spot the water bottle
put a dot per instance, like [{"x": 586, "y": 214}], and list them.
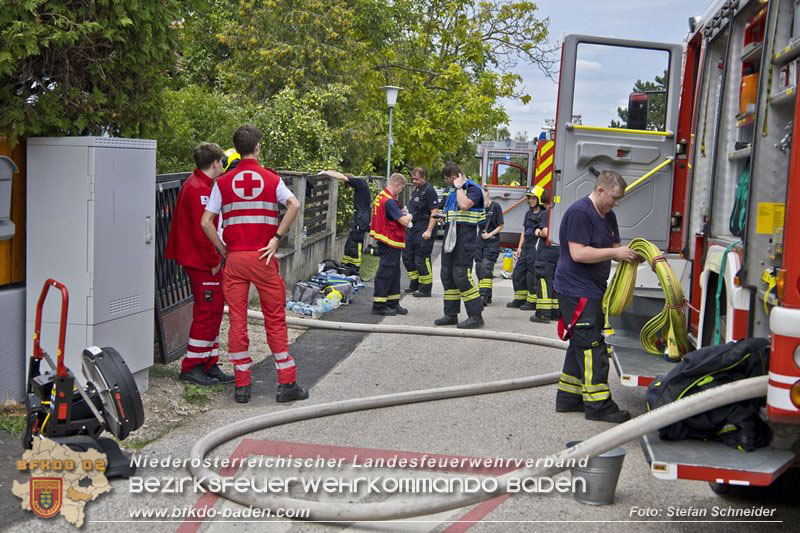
[{"x": 508, "y": 260}]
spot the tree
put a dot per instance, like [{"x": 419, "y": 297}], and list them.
[
  {"x": 656, "y": 104},
  {"x": 77, "y": 67}
]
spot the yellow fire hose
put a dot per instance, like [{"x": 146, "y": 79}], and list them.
[{"x": 670, "y": 323}]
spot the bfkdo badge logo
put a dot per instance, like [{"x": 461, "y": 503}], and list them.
[{"x": 46, "y": 495}]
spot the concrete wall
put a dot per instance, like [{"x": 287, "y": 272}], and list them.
[{"x": 12, "y": 344}]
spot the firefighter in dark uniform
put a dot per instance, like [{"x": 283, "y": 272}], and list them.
[
  {"x": 522, "y": 277},
  {"x": 388, "y": 228},
  {"x": 424, "y": 203},
  {"x": 359, "y": 225},
  {"x": 463, "y": 211},
  {"x": 590, "y": 239},
  {"x": 487, "y": 249},
  {"x": 545, "y": 269}
]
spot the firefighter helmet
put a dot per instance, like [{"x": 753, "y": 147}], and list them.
[
  {"x": 231, "y": 159},
  {"x": 535, "y": 192}
]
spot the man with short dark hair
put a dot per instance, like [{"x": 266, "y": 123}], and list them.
[
  {"x": 359, "y": 225},
  {"x": 388, "y": 228},
  {"x": 247, "y": 199},
  {"x": 590, "y": 239},
  {"x": 463, "y": 212},
  {"x": 422, "y": 206},
  {"x": 203, "y": 265}
]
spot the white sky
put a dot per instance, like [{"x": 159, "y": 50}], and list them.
[{"x": 649, "y": 20}]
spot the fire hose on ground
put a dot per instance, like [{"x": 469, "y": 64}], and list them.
[{"x": 398, "y": 508}]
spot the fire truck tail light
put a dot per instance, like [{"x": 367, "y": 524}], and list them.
[
  {"x": 780, "y": 287},
  {"x": 794, "y": 394}
]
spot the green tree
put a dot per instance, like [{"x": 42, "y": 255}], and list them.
[
  {"x": 76, "y": 67},
  {"x": 656, "y": 104}
]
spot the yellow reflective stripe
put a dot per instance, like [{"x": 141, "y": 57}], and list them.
[
  {"x": 386, "y": 240},
  {"x": 359, "y": 252},
  {"x": 450, "y": 297},
  {"x": 570, "y": 379},
  {"x": 393, "y": 297},
  {"x": 587, "y": 367},
  {"x": 569, "y": 388},
  {"x": 530, "y": 297},
  {"x": 485, "y": 283},
  {"x": 412, "y": 274},
  {"x": 596, "y": 388},
  {"x": 596, "y": 397},
  {"x": 544, "y": 289},
  {"x": 379, "y": 299}
]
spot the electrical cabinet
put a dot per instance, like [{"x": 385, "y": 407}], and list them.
[{"x": 90, "y": 214}]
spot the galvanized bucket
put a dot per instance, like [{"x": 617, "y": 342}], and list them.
[{"x": 601, "y": 474}]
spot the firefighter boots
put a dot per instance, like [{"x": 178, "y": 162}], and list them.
[
  {"x": 471, "y": 322},
  {"x": 446, "y": 320}
]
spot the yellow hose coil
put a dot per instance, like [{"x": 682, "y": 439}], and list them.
[{"x": 670, "y": 323}]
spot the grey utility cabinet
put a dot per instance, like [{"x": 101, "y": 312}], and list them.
[{"x": 90, "y": 225}]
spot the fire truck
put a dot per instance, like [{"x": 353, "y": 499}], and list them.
[
  {"x": 709, "y": 143},
  {"x": 508, "y": 168}
]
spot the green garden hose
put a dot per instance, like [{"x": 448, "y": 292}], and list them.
[{"x": 670, "y": 324}]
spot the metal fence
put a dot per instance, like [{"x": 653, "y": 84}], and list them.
[{"x": 312, "y": 236}]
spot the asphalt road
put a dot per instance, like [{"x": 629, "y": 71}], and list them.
[{"x": 520, "y": 424}]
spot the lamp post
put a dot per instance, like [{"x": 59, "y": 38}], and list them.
[{"x": 391, "y": 100}]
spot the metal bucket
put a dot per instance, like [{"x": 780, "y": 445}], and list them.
[{"x": 601, "y": 474}]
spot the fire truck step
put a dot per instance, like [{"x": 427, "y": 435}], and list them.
[
  {"x": 635, "y": 367},
  {"x": 713, "y": 461}
]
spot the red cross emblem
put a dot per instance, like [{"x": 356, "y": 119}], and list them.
[{"x": 248, "y": 184}]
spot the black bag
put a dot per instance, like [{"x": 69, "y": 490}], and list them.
[{"x": 737, "y": 425}]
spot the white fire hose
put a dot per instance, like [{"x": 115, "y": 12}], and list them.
[{"x": 398, "y": 508}]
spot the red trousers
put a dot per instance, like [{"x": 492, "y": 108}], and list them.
[
  {"x": 242, "y": 269},
  {"x": 209, "y": 302}
]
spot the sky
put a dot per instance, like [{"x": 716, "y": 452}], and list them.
[{"x": 604, "y": 78}]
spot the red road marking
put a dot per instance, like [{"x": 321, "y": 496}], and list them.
[{"x": 250, "y": 447}]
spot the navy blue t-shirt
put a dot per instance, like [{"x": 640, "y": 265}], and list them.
[
  {"x": 393, "y": 211},
  {"x": 584, "y": 225}
]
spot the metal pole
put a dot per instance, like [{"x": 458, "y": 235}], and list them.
[{"x": 389, "y": 157}]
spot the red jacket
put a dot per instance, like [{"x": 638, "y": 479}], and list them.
[
  {"x": 387, "y": 231},
  {"x": 249, "y": 206},
  {"x": 187, "y": 243}
]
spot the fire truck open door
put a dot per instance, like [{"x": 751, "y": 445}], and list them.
[{"x": 618, "y": 110}]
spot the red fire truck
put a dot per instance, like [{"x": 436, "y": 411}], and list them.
[{"x": 712, "y": 126}]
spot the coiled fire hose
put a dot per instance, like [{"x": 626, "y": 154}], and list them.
[
  {"x": 669, "y": 326},
  {"x": 404, "y": 507}
]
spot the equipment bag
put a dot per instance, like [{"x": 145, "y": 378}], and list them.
[
  {"x": 737, "y": 425},
  {"x": 305, "y": 292}
]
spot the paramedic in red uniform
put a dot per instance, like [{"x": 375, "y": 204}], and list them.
[
  {"x": 203, "y": 265},
  {"x": 247, "y": 198}
]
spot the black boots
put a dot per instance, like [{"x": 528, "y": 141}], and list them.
[
  {"x": 289, "y": 392},
  {"x": 614, "y": 417},
  {"x": 386, "y": 311},
  {"x": 216, "y": 372},
  {"x": 527, "y": 306},
  {"x": 515, "y": 304},
  {"x": 198, "y": 377},
  {"x": 399, "y": 310},
  {"x": 472, "y": 322},
  {"x": 446, "y": 320},
  {"x": 242, "y": 394}
]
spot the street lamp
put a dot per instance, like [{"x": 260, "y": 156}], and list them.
[{"x": 391, "y": 100}]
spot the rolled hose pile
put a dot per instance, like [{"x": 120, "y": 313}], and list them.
[{"x": 670, "y": 324}]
